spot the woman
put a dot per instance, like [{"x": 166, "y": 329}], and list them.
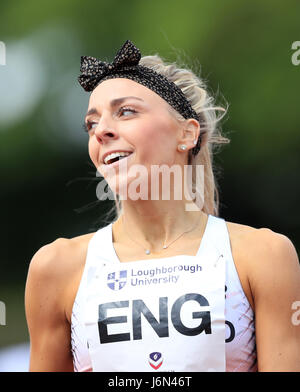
[{"x": 168, "y": 285}]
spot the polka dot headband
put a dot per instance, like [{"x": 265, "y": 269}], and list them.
[{"x": 126, "y": 65}]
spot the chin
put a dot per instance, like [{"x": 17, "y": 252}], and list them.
[{"x": 129, "y": 188}]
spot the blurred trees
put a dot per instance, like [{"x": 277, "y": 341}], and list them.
[{"x": 243, "y": 50}]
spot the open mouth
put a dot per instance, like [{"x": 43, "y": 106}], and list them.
[{"x": 115, "y": 157}]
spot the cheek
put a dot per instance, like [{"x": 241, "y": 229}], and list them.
[
  {"x": 160, "y": 143},
  {"x": 93, "y": 147}
]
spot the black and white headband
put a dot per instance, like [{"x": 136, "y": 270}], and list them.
[{"x": 126, "y": 65}]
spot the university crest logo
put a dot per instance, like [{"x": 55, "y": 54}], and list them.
[{"x": 116, "y": 280}]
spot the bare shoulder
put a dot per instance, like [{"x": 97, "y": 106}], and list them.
[
  {"x": 60, "y": 256},
  {"x": 263, "y": 245},
  {"x": 57, "y": 267},
  {"x": 262, "y": 255}
]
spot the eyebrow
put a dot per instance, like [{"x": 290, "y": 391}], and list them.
[{"x": 113, "y": 103}]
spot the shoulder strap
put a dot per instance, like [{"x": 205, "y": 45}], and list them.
[
  {"x": 214, "y": 244},
  {"x": 101, "y": 245}
]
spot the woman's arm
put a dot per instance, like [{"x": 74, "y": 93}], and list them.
[
  {"x": 45, "y": 297},
  {"x": 274, "y": 276}
]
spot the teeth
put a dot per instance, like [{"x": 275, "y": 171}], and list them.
[{"x": 115, "y": 155}]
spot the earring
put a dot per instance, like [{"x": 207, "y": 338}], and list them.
[
  {"x": 195, "y": 142},
  {"x": 182, "y": 147}
]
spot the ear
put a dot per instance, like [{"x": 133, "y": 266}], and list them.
[{"x": 189, "y": 133}]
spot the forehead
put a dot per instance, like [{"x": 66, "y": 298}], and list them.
[{"x": 121, "y": 87}]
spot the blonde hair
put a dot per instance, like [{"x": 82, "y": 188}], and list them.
[{"x": 196, "y": 92}]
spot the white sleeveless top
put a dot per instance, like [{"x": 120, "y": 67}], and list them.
[{"x": 105, "y": 280}]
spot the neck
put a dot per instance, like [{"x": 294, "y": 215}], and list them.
[{"x": 155, "y": 223}]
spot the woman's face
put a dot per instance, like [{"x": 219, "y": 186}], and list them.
[{"x": 125, "y": 116}]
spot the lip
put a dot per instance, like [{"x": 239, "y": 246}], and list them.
[
  {"x": 110, "y": 152},
  {"x": 117, "y": 163}
]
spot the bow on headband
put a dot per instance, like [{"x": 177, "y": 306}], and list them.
[{"x": 93, "y": 70}]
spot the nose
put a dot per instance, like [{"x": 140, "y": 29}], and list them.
[{"x": 105, "y": 133}]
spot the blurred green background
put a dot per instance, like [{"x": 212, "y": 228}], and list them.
[{"x": 48, "y": 184}]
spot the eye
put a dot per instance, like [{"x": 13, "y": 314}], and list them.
[
  {"x": 123, "y": 111},
  {"x": 89, "y": 125}
]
